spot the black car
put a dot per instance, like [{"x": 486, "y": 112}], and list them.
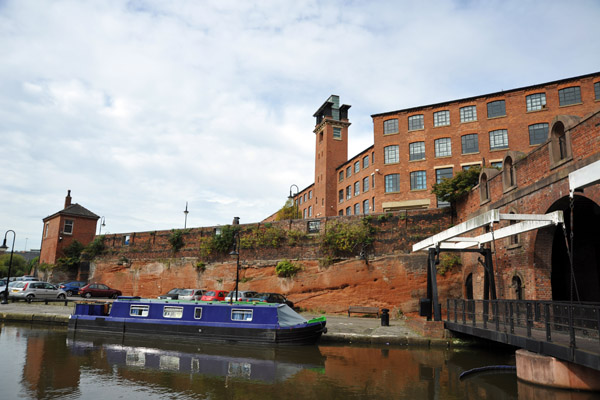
[
  {"x": 274, "y": 298},
  {"x": 172, "y": 294}
]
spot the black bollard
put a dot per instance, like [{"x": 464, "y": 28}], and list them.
[{"x": 385, "y": 317}]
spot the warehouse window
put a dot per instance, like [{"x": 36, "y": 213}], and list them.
[
  {"x": 468, "y": 114},
  {"x": 496, "y": 109},
  {"x": 418, "y": 180},
  {"x": 470, "y": 144},
  {"x": 415, "y": 122},
  {"x": 443, "y": 147},
  {"x": 441, "y": 118},
  {"x": 536, "y": 101},
  {"x": 538, "y": 133},
  {"x": 390, "y": 126},
  {"x": 391, "y": 154},
  {"x": 499, "y": 139},
  {"x": 416, "y": 151},
  {"x": 570, "y": 95},
  {"x": 392, "y": 183}
]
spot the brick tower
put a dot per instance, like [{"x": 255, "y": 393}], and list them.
[{"x": 331, "y": 145}]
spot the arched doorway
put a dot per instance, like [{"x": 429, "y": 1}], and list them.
[
  {"x": 517, "y": 287},
  {"x": 469, "y": 287},
  {"x": 584, "y": 283}
]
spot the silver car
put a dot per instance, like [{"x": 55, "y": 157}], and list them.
[
  {"x": 191, "y": 294},
  {"x": 242, "y": 295},
  {"x": 29, "y": 290}
]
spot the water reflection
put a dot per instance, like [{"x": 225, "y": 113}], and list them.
[
  {"x": 265, "y": 364},
  {"x": 43, "y": 363}
]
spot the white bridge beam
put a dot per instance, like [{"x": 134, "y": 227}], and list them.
[
  {"x": 584, "y": 177},
  {"x": 450, "y": 239}
]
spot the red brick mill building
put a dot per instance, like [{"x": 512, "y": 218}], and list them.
[
  {"x": 537, "y": 135},
  {"x": 417, "y": 147}
]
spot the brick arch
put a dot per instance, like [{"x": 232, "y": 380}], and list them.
[
  {"x": 550, "y": 257},
  {"x": 560, "y": 138}
]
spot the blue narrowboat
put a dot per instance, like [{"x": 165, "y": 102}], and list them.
[{"x": 246, "y": 322}]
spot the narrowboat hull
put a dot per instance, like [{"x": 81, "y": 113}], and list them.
[{"x": 220, "y": 330}]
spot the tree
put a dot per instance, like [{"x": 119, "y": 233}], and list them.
[
  {"x": 288, "y": 211},
  {"x": 18, "y": 268},
  {"x": 458, "y": 186}
]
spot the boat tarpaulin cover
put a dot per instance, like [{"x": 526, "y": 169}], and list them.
[{"x": 289, "y": 317}]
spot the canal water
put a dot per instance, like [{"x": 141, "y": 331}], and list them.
[{"x": 40, "y": 362}]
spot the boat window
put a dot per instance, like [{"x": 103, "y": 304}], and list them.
[
  {"x": 241, "y": 315},
  {"x": 172, "y": 312},
  {"x": 138, "y": 311},
  {"x": 198, "y": 312}
]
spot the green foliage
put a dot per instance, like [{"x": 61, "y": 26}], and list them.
[
  {"x": 219, "y": 244},
  {"x": 45, "y": 267},
  {"x": 286, "y": 269},
  {"x": 288, "y": 211},
  {"x": 347, "y": 238},
  {"x": 294, "y": 237},
  {"x": 223, "y": 242},
  {"x": 448, "y": 261},
  {"x": 200, "y": 266},
  {"x": 265, "y": 236},
  {"x": 71, "y": 255},
  {"x": 176, "y": 239},
  {"x": 18, "y": 267},
  {"x": 94, "y": 248},
  {"x": 454, "y": 188}
]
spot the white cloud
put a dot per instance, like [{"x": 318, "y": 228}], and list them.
[{"x": 140, "y": 106}]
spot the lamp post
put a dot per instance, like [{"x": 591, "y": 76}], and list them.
[
  {"x": 4, "y": 248},
  {"x": 186, "y": 212},
  {"x": 236, "y": 252},
  {"x": 291, "y": 197},
  {"x": 102, "y": 223}
]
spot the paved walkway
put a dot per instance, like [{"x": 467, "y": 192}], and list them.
[{"x": 340, "y": 329}]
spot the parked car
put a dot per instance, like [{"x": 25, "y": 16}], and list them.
[
  {"x": 191, "y": 294},
  {"x": 242, "y": 295},
  {"x": 72, "y": 288},
  {"x": 26, "y": 278},
  {"x": 10, "y": 285},
  {"x": 172, "y": 294},
  {"x": 214, "y": 295},
  {"x": 28, "y": 290},
  {"x": 98, "y": 290},
  {"x": 274, "y": 298}
]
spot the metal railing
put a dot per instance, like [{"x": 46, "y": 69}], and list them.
[{"x": 546, "y": 320}]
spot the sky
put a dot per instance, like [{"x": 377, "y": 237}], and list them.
[{"x": 140, "y": 106}]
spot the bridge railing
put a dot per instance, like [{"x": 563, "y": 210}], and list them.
[{"x": 577, "y": 320}]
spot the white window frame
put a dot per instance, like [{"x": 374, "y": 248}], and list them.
[
  {"x": 175, "y": 312},
  {"x": 245, "y": 314},
  {"x": 143, "y": 310}
]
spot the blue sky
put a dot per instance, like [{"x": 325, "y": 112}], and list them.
[{"x": 140, "y": 106}]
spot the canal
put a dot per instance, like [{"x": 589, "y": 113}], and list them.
[{"x": 41, "y": 362}]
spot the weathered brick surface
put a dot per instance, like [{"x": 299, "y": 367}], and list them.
[
  {"x": 392, "y": 278},
  {"x": 541, "y": 184}
]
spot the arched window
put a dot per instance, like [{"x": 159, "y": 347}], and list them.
[
  {"x": 560, "y": 139},
  {"x": 484, "y": 193},
  {"x": 509, "y": 180}
]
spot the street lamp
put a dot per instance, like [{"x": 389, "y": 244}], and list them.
[
  {"x": 4, "y": 248},
  {"x": 236, "y": 252},
  {"x": 102, "y": 223},
  {"x": 291, "y": 197},
  {"x": 186, "y": 212}
]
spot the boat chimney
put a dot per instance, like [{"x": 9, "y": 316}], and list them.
[{"x": 236, "y": 221}]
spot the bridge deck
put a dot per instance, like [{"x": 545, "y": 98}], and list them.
[{"x": 540, "y": 327}]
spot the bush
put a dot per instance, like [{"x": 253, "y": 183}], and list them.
[
  {"x": 176, "y": 240},
  {"x": 286, "y": 269},
  {"x": 448, "y": 261},
  {"x": 265, "y": 236},
  {"x": 347, "y": 238}
]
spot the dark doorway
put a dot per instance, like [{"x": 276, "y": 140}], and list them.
[
  {"x": 517, "y": 288},
  {"x": 469, "y": 287},
  {"x": 584, "y": 283}
]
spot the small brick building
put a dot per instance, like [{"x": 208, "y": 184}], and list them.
[{"x": 74, "y": 222}]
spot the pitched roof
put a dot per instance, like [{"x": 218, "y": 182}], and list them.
[{"x": 74, "y": 210}]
